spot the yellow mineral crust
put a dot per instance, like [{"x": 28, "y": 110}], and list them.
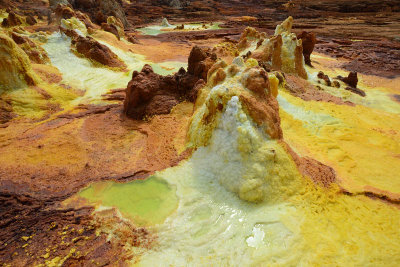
[
  {"x": 15, "y": 67},
  {"x": 360, "y": 143},
  {"x": 242, "y": 199},
  {"x": 74, "y": 24}
]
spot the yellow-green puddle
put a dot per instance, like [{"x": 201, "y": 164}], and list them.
[{"x": 145, "y": 202}]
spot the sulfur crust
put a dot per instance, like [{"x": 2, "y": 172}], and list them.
[{"x": 347, "y": 143}]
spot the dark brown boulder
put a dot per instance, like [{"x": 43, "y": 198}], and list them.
[
  {"x": 95, "y": 51},
  {"x": 324, "y": 77},
  {"x": 12, "y": 20},
  {"x": 351, "y": 79},
  {"x": 70, "y": 33},
  {"x": 150, "y": 94},
  {"x": 110, "y": 28},
  {"x": 200, "y": 61},
  {"x": 64, "y": 12},
  {"x": 308, "y": 40},
  {"x": 31, "y": 20}
]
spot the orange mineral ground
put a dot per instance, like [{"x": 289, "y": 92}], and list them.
[{"x": 199, "y": 133}]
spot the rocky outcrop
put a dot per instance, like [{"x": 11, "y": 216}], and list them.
[
  {"x": 175, "y": 4},
  {"x": 351, "y": 79},
  {"x": 30, "y": 20},
  {"x": 12, "y": 20},
  {"x": 35, "y": 53},
  {"x": 93, "y": 50},
  {"x": 150, "y": 94},
  {"x": 308, "y": 41},
  {"x": 115, "y": 26},
  {"x": 15, "y": 67},
  {"x": 282, "y": 51},
  {"x": 5, "y": 112},
  {"x": 99, "y": 10},
  {"x": 325, "y": 78},
  {"x": 200, "y": 61},
  {"x": 64, "y": 12}
]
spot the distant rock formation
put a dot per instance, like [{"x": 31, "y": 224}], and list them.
[
  {"x": 66, "y": 12},
  {"x": 100, "y": 10},
  {"x": 165, "y": 23},
  {"x": 175, "y": 4},
  {"x": 282, "y": 51},
  {"x": 54, "y": 3},
  {"x": 149, "y": 93}
]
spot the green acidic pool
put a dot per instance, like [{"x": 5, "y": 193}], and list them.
[{"x": 145, "y": 202}]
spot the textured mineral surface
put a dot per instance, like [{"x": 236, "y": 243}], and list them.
[{"x": 199, "y": 133}]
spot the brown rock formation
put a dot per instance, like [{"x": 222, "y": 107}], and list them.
[
  {"x": 15, "y": 67},
  {"x": 35, "y": 53},
  {"x": 70, "y": 33},
  {"x": 5, "y": 112},
  {"x": 149, "y": 94},
  {"x": 308, "y": 41},
  {"x": 97, "y": 52},
  {"x": 66, "y": 12},
  {"x": 12, "y": 20},
  {"x": 99, "y": 10},
  {"x": 115, "y": 26},
  {"x": 324, "y": 77},
  {"x": 303, "y": 89},
  {"x": 31, "y": 20},
  {"x": 110, "y": 28},
  {"x": 200, "y": 61},
  {"x": 351, "y": 79},
  {"x": 63, "y": 12}
]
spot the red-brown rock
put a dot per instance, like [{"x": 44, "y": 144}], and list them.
[
  {"x": 200, "y": 61},
  {"x": 12, "y": 20},
  {"x": 110, "y": 28},
  {"x": 99, "y": 10},
  {"x": 93, "y": 50},
  {"x": 351, "y": 79},
  {"x": 31, "y": 20},
  {"x": 309, "y": 40},
  {"x": 64, "y": 12},
  {"x": 149, "y": 93}
]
